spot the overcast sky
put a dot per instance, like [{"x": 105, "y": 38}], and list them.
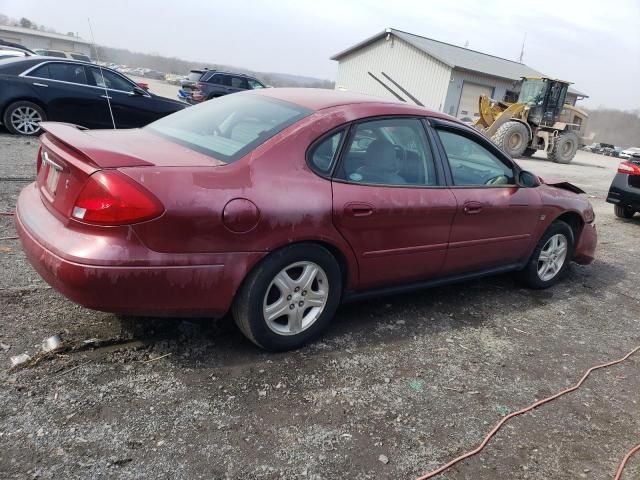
[{"x": 593, "y": 43}]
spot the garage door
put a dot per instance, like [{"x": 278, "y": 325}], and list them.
[{"x": 471, "y": 92}]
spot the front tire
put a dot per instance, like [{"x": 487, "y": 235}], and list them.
[
  {"x": 23, "y": 118},
  {"x": 289, "y": 298},
  {"x": 512, "y": 137},
  {"x": 622, "y": 211},
  {"x": 564, "y": 148},
  {"x": 550, "y": 258}
]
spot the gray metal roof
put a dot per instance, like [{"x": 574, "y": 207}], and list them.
[
  {"x": 458, "y": 57},
  {"x": 40, "y": 33}
]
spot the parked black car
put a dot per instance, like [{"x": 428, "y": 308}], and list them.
[
  {"x": 214, "y": 83},
  {"x": 624, "y": 192},
  {"x": 35, "y": 89},
  {"x": 154, "y": 74}
]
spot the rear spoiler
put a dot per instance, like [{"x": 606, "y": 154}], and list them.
[{"x": 95, "y": 151}]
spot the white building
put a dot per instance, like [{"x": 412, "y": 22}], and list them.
[
  {"x": 423, "y": 71},
  {"x": 49, "y": 41}
]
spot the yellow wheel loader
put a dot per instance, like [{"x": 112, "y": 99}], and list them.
[{"x": 539, "y": 120}]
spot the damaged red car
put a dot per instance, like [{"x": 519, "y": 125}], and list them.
[{"x": 277, "y": 205}]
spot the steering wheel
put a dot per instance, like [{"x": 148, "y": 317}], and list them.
[{"x": 497, "y": 180}]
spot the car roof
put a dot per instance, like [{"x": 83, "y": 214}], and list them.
[
  {"x": 321, "y": 98},
  {"x": 227, "y": 73}
]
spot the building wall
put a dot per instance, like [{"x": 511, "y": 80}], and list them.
[
  {"x": 37, "y": 41},
  {"x": 423, "y": 76},
  {"x": 458, "y": 77}
]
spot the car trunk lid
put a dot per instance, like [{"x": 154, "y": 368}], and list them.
[{"x": 70, "y": 154}]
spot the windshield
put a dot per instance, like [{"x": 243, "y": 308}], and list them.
[
  {"x": 532, "y": 92},
  {"x": 79, "y": 56},
  {"x": 194, "y": 76},
  {"x": 229, "y": 127}
]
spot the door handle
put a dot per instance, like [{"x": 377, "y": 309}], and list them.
[
  {"x": 472, "y": 208},
  {"x": 106, "y": 96},
  {"x": 36, "y": 84},
  {"x": 359, "y": 209}
]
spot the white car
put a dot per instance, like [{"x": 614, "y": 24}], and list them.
[
  {"x": 11, "y": 52},
  {"x": 629, "y": 152}
]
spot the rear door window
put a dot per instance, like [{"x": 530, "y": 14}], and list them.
[
  {"x": 64, "y": 72},
  {"x": 392, "y": 151},
  {"x": 194, "y": 76}
]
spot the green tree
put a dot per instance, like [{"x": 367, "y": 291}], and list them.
[{"x": 26, "y": 23}]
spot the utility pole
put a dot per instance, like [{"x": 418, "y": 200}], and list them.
[{"x": 522, "y": 51}]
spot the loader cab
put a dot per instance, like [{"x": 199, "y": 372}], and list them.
[{"x": 545, "y": 99}]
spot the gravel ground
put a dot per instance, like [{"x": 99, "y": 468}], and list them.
[{"x": 398, "y": 385}]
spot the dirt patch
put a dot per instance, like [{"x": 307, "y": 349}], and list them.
[{"x": 412, "y": 379}]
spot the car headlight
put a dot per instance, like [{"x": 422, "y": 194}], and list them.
[{"x": 589, "y": 215}]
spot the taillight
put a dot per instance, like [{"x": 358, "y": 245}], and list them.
[
  {"x": 629, "y": 168},
  {"x": 111, "y": 198},
  {"x": 39, "y": 160}
]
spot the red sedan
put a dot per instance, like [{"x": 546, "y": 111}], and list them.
[{"x": 279, "y": 204}]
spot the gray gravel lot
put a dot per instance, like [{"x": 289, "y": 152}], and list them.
[{"x": 418, "y": 378}]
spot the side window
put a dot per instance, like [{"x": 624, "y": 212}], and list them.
[
  {"x": 254, "y": 84},
  {"x": 65, "y": 72},
  {"x": 472, "y": 164},
  {"x": 223, "y": 80},
  {"x": 389, "y": 152},
  {"x": 239, "y": 82},
  {"x": 111, "y": 80},
  {"x": 324, "y": 153}
]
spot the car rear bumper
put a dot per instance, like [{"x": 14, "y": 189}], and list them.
[
  {"x": 586, "y": 246},
  {"x": 621, "y": 193},
  {"x": 111, "y": 270}
]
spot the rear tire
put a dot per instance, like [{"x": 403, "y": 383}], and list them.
[
  {"x": 623, "y": 211},
  {"x": 277, "y": 310},
  {"x": 549, "y": 253},
  {"x": 23, "y": 118},
  {"x": 564, "y": 148},
  {"x": 512, "y": 137}
]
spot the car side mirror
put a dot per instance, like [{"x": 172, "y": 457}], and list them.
[
  {"x": 528, "y": 179},
  {"x": 139, "y": 91}
]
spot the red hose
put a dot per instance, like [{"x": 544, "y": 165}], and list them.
[
  {"x": 624, "y": 461},
  {"x": 473, "y": 452}
]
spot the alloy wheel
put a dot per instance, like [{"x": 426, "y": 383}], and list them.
[
  {"x": 26, "y": 120},
  {"x": 295, "y": 298},
  {"x": 552, "y": 257}
]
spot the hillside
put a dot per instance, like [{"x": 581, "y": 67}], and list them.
[
  {"x": 621, "y": 128},
  {"x": 182, "y": 67}
]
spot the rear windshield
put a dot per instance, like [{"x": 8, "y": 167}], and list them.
[
  {"x": 194, "y": 76},
  {"x": 79, "y": 56},
  {"x": 229, "y": 127},
  {"x": 53, "y": 53}
]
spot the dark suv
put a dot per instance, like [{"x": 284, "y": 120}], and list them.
[
  {"x": 624, "y": 192},
  {"x": 214, "y": 83}
]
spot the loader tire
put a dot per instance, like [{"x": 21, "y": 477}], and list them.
[
  {"x": 512, "y": 137},
  {"x": 564, "y": 148}
]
